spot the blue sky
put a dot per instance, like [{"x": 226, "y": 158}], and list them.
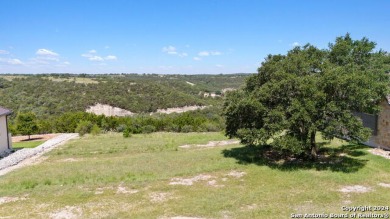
[{"x": 174, "y": 36}]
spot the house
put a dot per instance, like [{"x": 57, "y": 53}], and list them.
[
  {"x": 5, "y": 137},
  {"x": 380, "y": 126}
]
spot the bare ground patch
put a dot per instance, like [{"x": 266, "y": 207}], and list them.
[
  {"x": 211, "y": 144},
  {"x": 236, "y": 174},
  {"x": 124, "y": 190},
  {"x": 355, "y": 189},
  {"x": 380, "y": 152},
  {"x": 69, "y": 212},
  {"x": 158, "y": 197},
  {"x": 386, "y": 185},
  {"x": 43, "y": 137},
  {"x": 7, "y": 199},
  {"x": 210, "y": 180},
  {"x": 249, "y": 207},
  {"x": 71, "y": 159},
  {"x": 190, "y": 181}
]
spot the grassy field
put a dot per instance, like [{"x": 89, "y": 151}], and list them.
[
  {"x": 26, "y": 144},
  {"x": 75, "y": 79},
  {"x": 150, "y": 176}
]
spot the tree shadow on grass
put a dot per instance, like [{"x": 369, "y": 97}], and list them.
[
  {"x": 31, "y": 139},
  {"x": 342, "y": 159}
]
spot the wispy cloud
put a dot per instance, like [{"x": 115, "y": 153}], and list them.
[
  {"x": 110, "y": 57},
  {"x": 96, "y": 58},
  {"x": 209, "y": 53},
  {"x": 197, "y": 58},
  {"x": 44, "y": 57},
  {"x": 171, "y": 50},
  {"x": 11, "y": 61},
  {"x": 4, "y": 52},
  {"x": 294, "y": 44},
  {"x": 45, "y": 52},
  {"x": 91, "y": 55}
]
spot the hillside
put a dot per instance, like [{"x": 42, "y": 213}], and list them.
[{"x": 54, "y": 94}]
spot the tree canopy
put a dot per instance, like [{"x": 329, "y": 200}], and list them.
[
  {"x": 26, "y": 124},
  {"x": 309, "y": 90}
]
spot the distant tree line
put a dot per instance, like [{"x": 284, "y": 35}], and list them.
[{"x": 205, "y": 120}]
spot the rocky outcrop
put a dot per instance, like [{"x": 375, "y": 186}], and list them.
[{"x": 107, "y": 110}]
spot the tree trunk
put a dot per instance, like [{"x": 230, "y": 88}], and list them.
[{"x": 313, "y": 145}]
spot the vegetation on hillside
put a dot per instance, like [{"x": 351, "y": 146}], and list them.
[
  {"x": 59, "y": 101},
  {"x": 47, "y": 95}
]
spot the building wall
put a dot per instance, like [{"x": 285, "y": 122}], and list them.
[
  {"x": 382, "y": 139},
  {"x": 3, "y": 134}
]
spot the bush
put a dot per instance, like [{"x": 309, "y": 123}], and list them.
[
  {"x": 121, "y": 128},
  {"x": 84, "y": 127},
  {"x": 95, "y": 130},
  {"x": 148, "y": 129},
  {"x": 208, "y": 127},
  {"x": 126, "y": 133},
  {"x": 187, "y": 128},
  {"x": 172, "y": 128}
]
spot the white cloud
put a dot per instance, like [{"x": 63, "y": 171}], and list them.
[
  {"x": 197, "y": 58},
  {"x": 11, "y": 61},
  {"x": 46, "y": 52},
  {"x": 91, "y": 55},
  {"x": 170, "y": 50},
  {"x": 96, "y": 58},
  {"x": 110, "y": 57},
  {"x": 209, "y": 53},
  {"x": 204, "y": 53},
  {"x": 4, "y": 52},
  {"x": 219, "y": 66},
  {"x": 164, "y": 67},
  {"x": 294, "y": 44},
  {"x": 66, "y": 63}
]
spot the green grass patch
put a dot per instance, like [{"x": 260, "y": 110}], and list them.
[
  {"x": 26, "y": 144},
  {"x": 108, "y": 176}
]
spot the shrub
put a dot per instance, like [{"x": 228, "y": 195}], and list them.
[
  {"x": 121, "y": 128},
  {"x": 209, "y": 127},
  {"x": 95, "y": 130},
  {"x": 126, "y": 133},
  {"x": 148, "y": 129},
  {"x": 187, "y": 128},
  {"x": 84, "y": 127}
]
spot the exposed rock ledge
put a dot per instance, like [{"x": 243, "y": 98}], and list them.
[
  {"x": 180, "y": 109},
  {"x": 107, "y": 110}
]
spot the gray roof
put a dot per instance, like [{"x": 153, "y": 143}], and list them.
[{"x": 4, "y": 111}]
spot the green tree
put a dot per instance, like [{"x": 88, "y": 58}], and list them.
[
  {"x": 295, "y": 96},
  {"x": 26, "y": 124}
]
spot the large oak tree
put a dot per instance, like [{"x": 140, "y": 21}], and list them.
[{"x": 308, "y": 91}]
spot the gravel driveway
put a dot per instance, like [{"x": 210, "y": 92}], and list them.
[{"x": 21, "y": 155}]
